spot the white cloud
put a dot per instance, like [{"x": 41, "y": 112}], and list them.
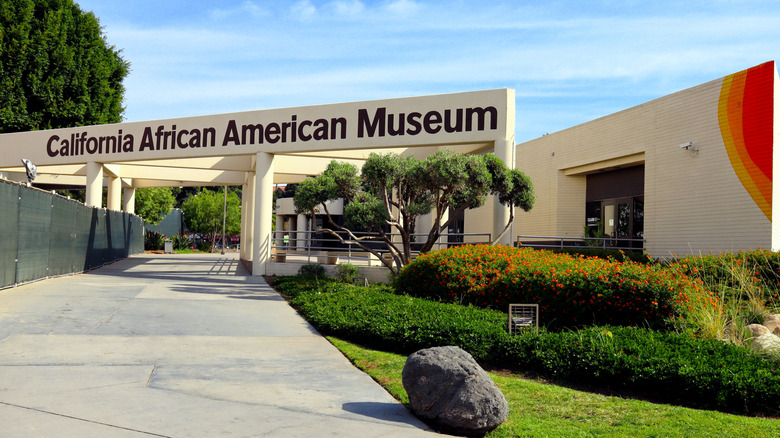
[
  {"x": 303, "y": 10},
  {"x": 247, "y": 7},
  {"x": 567, "y": 62},
  {"x": 347, "y": 8},
  {"x": 403, "y": 7}
]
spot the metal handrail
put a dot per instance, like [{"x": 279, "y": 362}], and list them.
[
  {"x": 312, "y": 246},
  {"x": 585, "y": 242}
]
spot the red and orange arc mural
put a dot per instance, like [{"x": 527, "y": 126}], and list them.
[{"x": 745, "y": 115}]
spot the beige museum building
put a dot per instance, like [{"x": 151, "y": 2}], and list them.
[{"x": 690, "y": 172}]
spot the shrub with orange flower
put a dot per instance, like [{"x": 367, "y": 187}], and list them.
[{"x": 572, "y": 291}]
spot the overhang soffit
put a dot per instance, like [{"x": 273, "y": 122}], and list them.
[
  {"x": 178, "y": 173},
  {"x": 362, "y": 154},
  {"x": 235, "y": 162},
  {"x": 143, "y": 183},
  {"x": 606, "y": 164},
  {"x": 61, "y": 169}
]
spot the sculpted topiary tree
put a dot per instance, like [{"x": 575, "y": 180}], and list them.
[{"x": 391, "y": 192}]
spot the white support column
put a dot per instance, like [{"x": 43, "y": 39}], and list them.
[
  {"x": 264, "y": 205},
  {"x": 94, "y": 185},
  {"x": 128, "y": 204},
  {"x": 504, "y": 149},
  {"x": 248, "y": 218},
  {"x": 423, "y": 226},
  {"x": 301, "y": 237},
  {"x": 424, "y": 222},
  {"x": 444, "y": 236},
  {"x": 114, "y": 193},
  {"x": 242, "y": 247}
]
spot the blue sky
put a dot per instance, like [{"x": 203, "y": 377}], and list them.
[{"x": 568, "y": 61}]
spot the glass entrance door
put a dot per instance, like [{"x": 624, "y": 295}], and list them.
[
  {"x": 618, "y": 219},
  {"x": 608, "y": 207}
]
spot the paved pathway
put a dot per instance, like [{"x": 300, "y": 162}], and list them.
[{"x": 177, "y": 346}]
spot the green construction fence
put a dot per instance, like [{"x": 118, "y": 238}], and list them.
[{"x": 46, "y": 235}]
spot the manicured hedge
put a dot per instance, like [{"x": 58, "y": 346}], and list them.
[
  {"x": 377, "y": 317},
  {"x": 572, "y": 291},
  {"x": 663, "y": 366}
]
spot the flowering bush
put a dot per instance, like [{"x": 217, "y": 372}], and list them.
[
  {"x": 154, "y": 241},
  {"x": 572, "y": 291},
  {"x": 181, "y": 242}
]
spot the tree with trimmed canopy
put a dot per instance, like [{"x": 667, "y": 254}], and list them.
[{"x": 391, "y": 192}]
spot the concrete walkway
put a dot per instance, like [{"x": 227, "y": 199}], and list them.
[{"x": 177, "y": 346}]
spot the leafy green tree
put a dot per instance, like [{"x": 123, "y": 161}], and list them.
[
  {"x": 183, "y": 193},
  {"x": 289, "y": 191},
  {"x": 203, "y": 214},
  {"x": 391, "y": 192},
  {"x": 76, "y": 195},
  {"x": 56, "y": 67},
  {"x": 154, "y": 203}
]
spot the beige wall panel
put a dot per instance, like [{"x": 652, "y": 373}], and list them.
[
  {"x": 694, "y": 201},
  {"x": 479, "y": 220},
  {"x": 286, "y": 206},
  {"x": 537, "y": 161},
  {"x": 424, "y": 223},
  {"x": 570, "y": 205}
]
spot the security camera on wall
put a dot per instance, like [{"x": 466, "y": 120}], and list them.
[{"x": 686, "y": 145}]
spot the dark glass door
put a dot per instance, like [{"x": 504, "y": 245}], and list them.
[{"x": 623, "y": 219}]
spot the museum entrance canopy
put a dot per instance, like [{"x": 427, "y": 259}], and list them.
[{"x": 256, "y": 149}]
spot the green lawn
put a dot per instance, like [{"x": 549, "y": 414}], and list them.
[{"x": 542, "y": 410}]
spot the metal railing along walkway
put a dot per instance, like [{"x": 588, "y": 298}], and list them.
[
  {"x": 323, "y": 248},
  {"x": 561, "y": 242}
]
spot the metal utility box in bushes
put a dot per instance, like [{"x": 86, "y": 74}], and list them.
[{"x": 522, "y": 316}]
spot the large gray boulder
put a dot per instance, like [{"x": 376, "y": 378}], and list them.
[{"x": 451, "y": 391}]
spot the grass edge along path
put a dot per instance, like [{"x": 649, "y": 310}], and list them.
[{"x": 538, "y": 409}]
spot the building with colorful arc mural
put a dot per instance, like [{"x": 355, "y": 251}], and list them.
[
  {"x": 689, "y": 173},
  {"x": 745, "y": 112}
]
